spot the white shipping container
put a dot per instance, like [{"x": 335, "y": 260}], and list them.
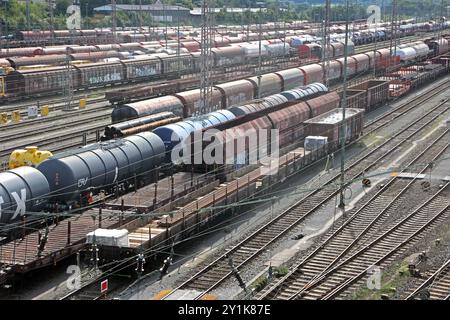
[
  {"x": 106, "y": 237},
  {"x": 315, "y": 142},
  {"x": 32, "y": 112}
]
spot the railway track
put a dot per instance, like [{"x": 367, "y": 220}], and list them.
[
  {"x": 397, "y": 112},
  {"x": 58, "y": 103},
  {"x": 384, "y": 248},
  {"x": 386, "y": 43},
  {"x": 92, "y": 290},
  {"x": 47, "y": 125},
  {"x": 218, "y": 271},
  {"x": 308, "y": 278},
  {"x": 36, "y": 123},
  {"x": 58, "y": 141},
  {"x": 435, "y": 287}
]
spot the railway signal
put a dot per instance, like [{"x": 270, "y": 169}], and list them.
[
  {"x": 140, "y": 263},
  {"x": 104, "y": 286}
]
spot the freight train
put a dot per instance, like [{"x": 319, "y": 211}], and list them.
[
  {"x": 225, "y": 95},
  {"x": 70, "y": 179},
  {"x": 155, "y": 66},
  {"x": 360, "y": 30},
  {"x": 152, "y": 61}
]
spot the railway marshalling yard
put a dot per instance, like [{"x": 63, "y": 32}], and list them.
[
  {"x": 325, "y": 241},
  {"x": 356, "y": 204}
]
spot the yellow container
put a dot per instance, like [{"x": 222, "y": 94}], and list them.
[
  {"x": 82, "y": 103},
  {"x": 16, "y": 159},
  {"x": 30, "y": 156},
  {"x": 15, "y": 116},
  {"x": 45, "y": 111},
  {"x": 3, "y": 118}
]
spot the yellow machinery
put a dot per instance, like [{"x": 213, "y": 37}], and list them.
[
  {"x": 30, "y": 156},
  {"x": 2, "y": 87},
  {"x": 82, "y": 103},
  {"x": 45, "y": 111},
  {"x": 3, "y": 118},
  {"x": 15, "y": 116}
]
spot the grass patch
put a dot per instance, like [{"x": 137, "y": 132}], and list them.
[
  {"x": 391, "y": 279},
  {"x": 280, "y": 271},
  {"x": 261, "y": 283}
]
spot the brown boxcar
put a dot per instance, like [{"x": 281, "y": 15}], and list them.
[
  {"x": 21, "y": 52},
  {"x": 192, "y": 102},
  {"x": 82, "y": 49},
  {"x": 324, "y": 103},
  {"x": 192, "y": 46},
  {"x": 54, "y": 50},
  {"x": 29, "y": 82},
  {"x": 338, "y": 49},
  {"x": 236, "y": 92},
  {"x": 362, "y": 62},
  {"x": 130, "y": 46},
  {"x": 228, "y": 56},
  {"x": 372, "y": 56},
  {"x": 173, "y": 64},
  {"x": 289, "y": 122},
  {"x": 101, "y": 73},
  {"x": 329, "y": 125},
  {"x": 313, "y": 73},
  {"x": 377, "y": 93},
  {"x": 270, "y": 84},
  {"x": 335, "y": 70},
  {"x": 139, "y": 68},
  {"x": 292, "y": 78},
  {"x": 243, "y": 141},
  {"x": 95, "y": 56},
  {"x": 351, "y": 65},
  {"x": 147, "y": 107},
  {"x": 54, "y": 59}
]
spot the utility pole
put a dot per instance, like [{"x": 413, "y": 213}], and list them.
[
  {"x": 249, "y": 19},
  {"x": 283, "y": 7},
  {"x": 114, "y": 20},
  {"x": 140, "y": 16},
  {"x": 178, "y": 35},
  {"x": 68, "y": 88},
  {"x": 441, "y": 19},
  {"x": 393, "y": 42},
  {"x": 28, "y": 14},
  {"x": 343, "y": 106},
  {"x": 260, "y": 4},
  {"x": 326, "y": 44},
  {"x": 375, "y": 47},
  {"x": 50, "y": 8},
  {"x": 165, "y": 24},
  {"x": 205, "y": 58},
  {"x": 86, "y": 13}
]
